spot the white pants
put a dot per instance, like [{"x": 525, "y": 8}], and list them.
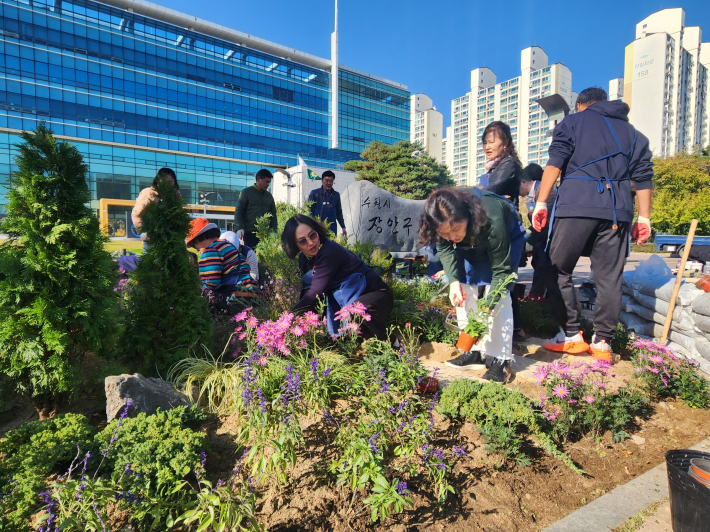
[{"x": 498, "y": 343}]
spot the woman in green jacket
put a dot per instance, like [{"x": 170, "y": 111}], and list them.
[{"x": 480, "y": 239}]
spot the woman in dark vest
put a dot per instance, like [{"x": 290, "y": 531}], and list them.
[{"x": 330, "y": 271}]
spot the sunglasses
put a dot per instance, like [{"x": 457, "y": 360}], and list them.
[{"x": 312, "y": 237}]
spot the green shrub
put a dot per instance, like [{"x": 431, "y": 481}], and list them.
[
  {"x": 456, "y": 395},
  {"x": 159, "y": 447},
  {"x": 56, "y": 280},
  {"x": 167, "y": 313},
  {"x": 32, "y": 452},
  {"x": 503, "y": 416}
]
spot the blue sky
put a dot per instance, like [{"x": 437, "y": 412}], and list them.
[{"x": 432, "y": 46}]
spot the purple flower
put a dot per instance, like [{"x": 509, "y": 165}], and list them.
[
  {"x": 401, "y": 488},
  {"x": 373, "y": 442},
  {"x": 459, "y": 451},
  {"x": 326, "y": 372},
  {"x": 291, "y": 388},
  {"x": 314, "y": 368},
  {"x": 260, "y": 400}
]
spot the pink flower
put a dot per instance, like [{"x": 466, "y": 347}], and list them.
[
  {"x": 540, "y": 375},
  {"x": 657, "y": 359},
  {"x": 589, "y": 398},
  {"x": 262, "y": 360},
  {"x": 408, "y": 324},
  {"x": 654, "y": 370},
  {"x": 560, "y": 368},
  {"x": 240, "y": 317},
  {"x": 242, "y": 336},
  {"x": 252, "y": 322},
  {"x": 560, "y": 391},
  {"x": 297, "y": 331},
  {"x": 599, "y": 385}
]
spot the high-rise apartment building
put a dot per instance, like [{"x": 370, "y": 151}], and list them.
[
  {"x": 137, "y": 86},
  {"x": 666, "y": 83},
  {"x": 446, "y": 149},
  {"x": 427, "y": 125},
  {"x": 513, "y": 102}
]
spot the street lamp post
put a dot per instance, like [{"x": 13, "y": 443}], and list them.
[{"x": 204, "y": 201}]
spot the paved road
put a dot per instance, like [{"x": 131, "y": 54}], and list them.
[{"x": 581, "y": 272}]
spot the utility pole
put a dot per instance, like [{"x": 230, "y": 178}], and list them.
[{"x": 334, "y": 82}]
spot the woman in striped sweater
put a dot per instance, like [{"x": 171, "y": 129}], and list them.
[{"x": 222, "y": 268}]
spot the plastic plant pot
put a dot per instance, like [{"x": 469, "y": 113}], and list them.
[
  {"x": 690, "y": 499},
  {"x": 701, "y": 468},
  {"x": 428, "y": 385},
  {"x": 466, "y": 342},
  {"x": 704, "y": 284}
]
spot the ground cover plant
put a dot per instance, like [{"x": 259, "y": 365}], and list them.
[{"x": 56, "y": 280}]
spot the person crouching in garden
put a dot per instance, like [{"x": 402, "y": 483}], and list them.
[
  {"x": 330, "y": 271},
  {"x": 223, "y": 269},
  {"x": 480, "y": 232}
]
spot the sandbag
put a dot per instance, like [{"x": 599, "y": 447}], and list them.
[
  {"x": 702, "y": 323},
  {"x": 626, "y": 289},
  {"x": 627, "y": 278},
  {"x": 703, "y": 347},
  {"x": 688, "y": 293},
  {"x": 626, "y": 300},
  {"x": 660, "y": 287},
  {"x": 701, "y": 305},
  {"x": 637, "y": 324},
  {"x": 688, "y": 342},
  {"x": 650, "y": 270},
  {"x": 681, "y": 317}
]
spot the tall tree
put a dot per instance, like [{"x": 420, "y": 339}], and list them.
[
  {"x": 56, "y": 279},
  {"x": 682, "y": 192},
  {"x": 404, "y": 169},
  {"x": 167, "y": 314}
]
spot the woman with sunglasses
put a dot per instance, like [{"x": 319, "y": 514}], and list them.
[{"x": 337, "y": 276}]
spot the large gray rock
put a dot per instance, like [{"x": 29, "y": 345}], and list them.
[
  {"x": 373, "y": 214},
  {"x": 146, "y": 394}
]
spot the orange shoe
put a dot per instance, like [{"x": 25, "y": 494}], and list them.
[
  {"x": 600, "y": 350},
  {"x": 572, "y": 345}
]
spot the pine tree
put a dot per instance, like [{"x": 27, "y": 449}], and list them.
[
  {"x": 404, "y": 169},
  {"x": 56, "y": 279},
  {"x": 167, "y": 314}
]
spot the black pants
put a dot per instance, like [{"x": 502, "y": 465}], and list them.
[
  {"x": 250, "y": 240},
  {"x": 379, "y": 305},
  {"x": 607, "y": 248},
  {"x": 544, "y": 275}
]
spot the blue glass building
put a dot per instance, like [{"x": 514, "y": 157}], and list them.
[{"x": 137, "y": 86}]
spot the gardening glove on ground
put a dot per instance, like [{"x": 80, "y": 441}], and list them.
[
  {"x": 456, "y": 295},
  {"x": 240, "y": 234},
  {"x": 539, "y": 217},
  {"x": 641, "y": 231}
]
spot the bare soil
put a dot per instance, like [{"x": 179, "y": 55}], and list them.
[{"x": 490, "y": 495}]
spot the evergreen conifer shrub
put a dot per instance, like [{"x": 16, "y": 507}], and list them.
[
  {"x": 56, "y": 279},
  {"x": 167, "y": 314}
]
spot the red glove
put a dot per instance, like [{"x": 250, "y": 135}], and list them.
[
  {"x": 641, "y": 231},
  {"x": 539, "y": 216}
]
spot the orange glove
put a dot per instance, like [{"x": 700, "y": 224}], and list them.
[
  {"x": 539, "y": 216},
  {"x": 641, "y": 231}
]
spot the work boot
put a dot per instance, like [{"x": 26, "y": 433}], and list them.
[
  {"x": 498, "y": 371},
  {"x": 468, "y": 361},
  {"x": 572, "y": 345}
]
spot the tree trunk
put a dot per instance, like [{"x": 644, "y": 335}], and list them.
[{"x": 47, "y": 405}]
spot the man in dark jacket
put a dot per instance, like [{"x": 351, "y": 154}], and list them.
[
  {"x": 254, "y": 202},
  {"x": 326, "y": 203},
  {"x": 599, "y": 154}
]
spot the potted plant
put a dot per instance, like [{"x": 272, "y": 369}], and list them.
[{"x": 478, "y": 318}]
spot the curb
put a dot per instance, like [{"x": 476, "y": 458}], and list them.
[{"x": 622, "y": 503}]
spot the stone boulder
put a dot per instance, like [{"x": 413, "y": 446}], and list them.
[
  {"x": 373, "y": 214},
  {"x": 146, "y": 394}
]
